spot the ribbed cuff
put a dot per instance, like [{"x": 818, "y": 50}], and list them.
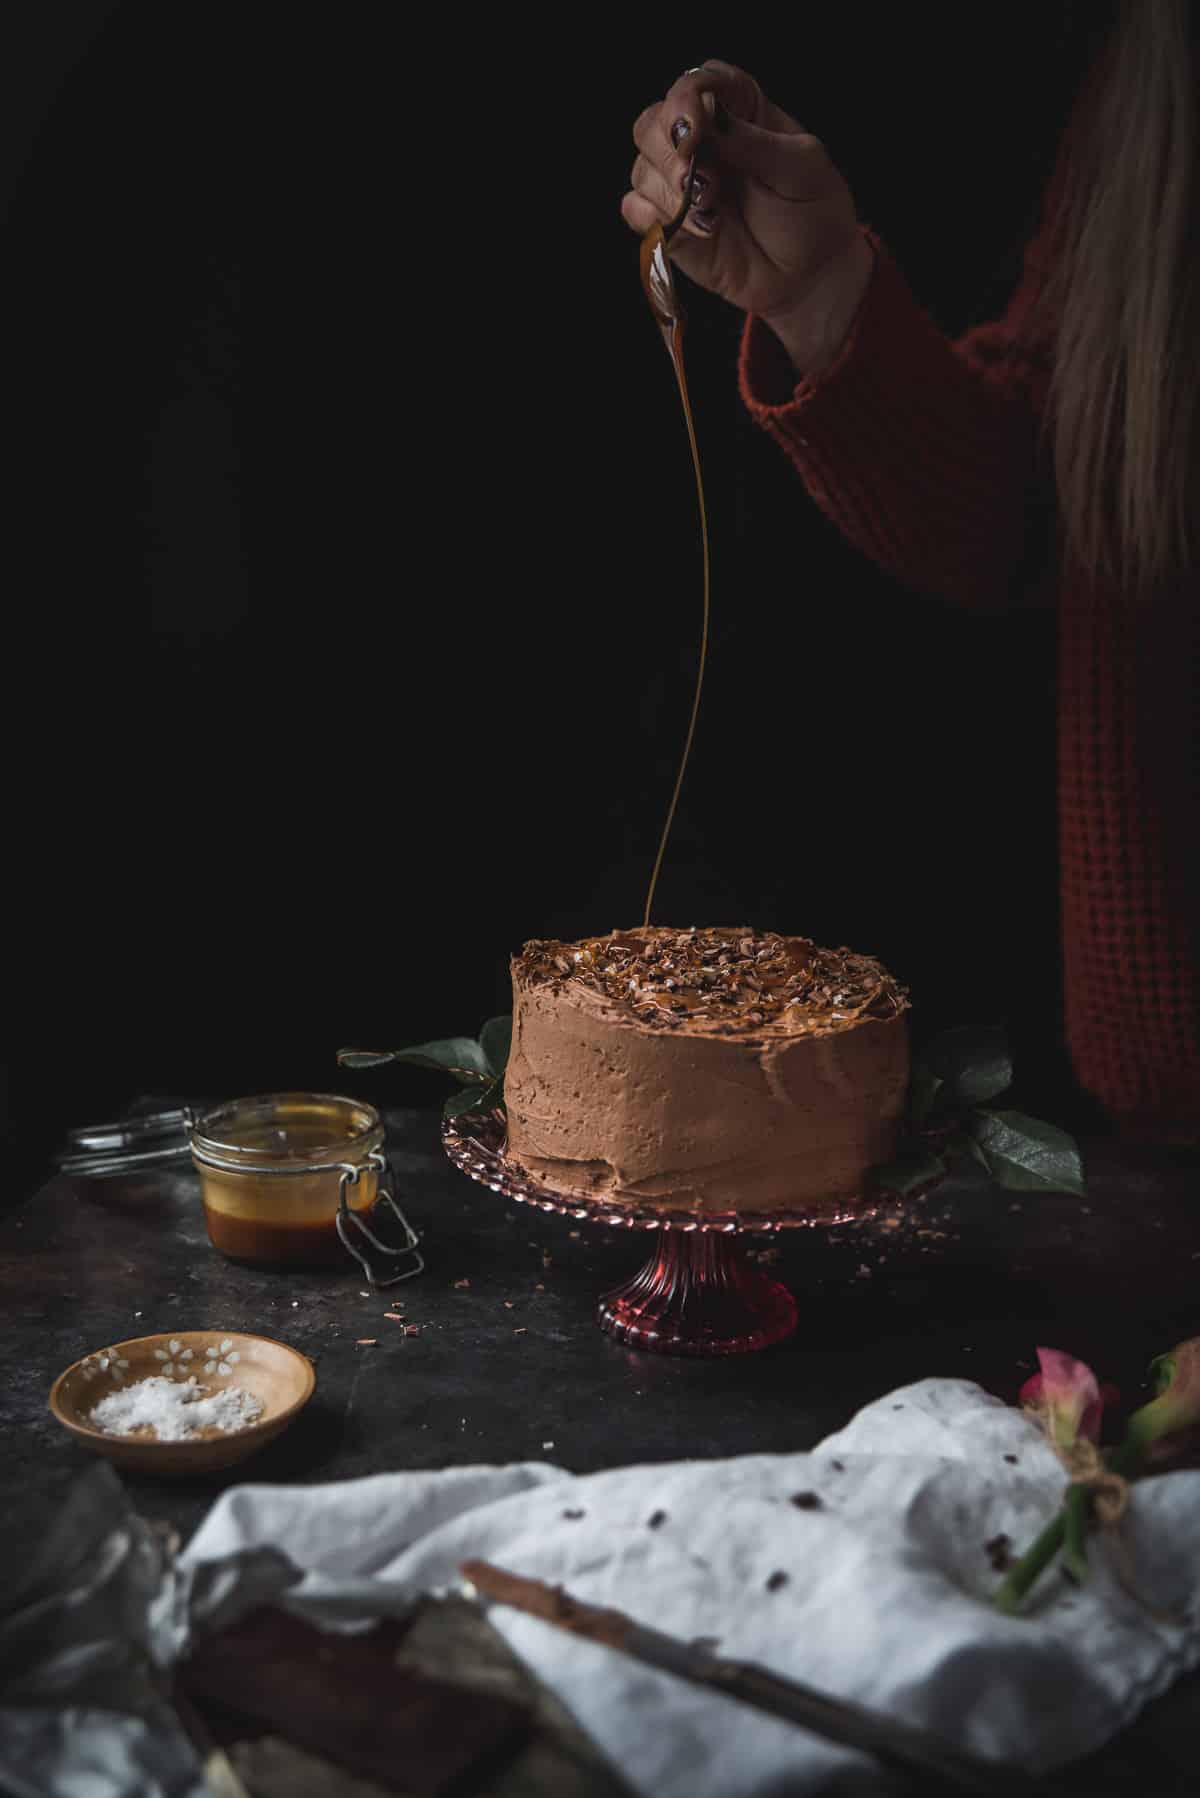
[{"x": 888, "y": 321}]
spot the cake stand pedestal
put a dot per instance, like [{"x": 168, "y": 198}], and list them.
[{"x": 697, "y": 1294}]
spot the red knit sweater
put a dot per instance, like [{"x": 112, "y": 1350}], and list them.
[{"x": 923, "y": 451}]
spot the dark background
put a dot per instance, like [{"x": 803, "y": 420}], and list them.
[{"x": 352, "y": 567}]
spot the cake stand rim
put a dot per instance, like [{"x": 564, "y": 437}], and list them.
[{"x": 644, "y": 1216}]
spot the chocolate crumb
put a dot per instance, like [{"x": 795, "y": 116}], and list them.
[
  {"x": 656, "y": 1521},
  {"x": 998, "y": 1552},
  {"x": 838, "y": 1466},
  {"x": 412, "y": 1329},
  {"x": 808, "y": 1501},
  {"x": 777, "y": 1580},
  {"x": 665, "y": 978},
  {"x": 1012, "y": 1458},
  {"x": 572, "y": 1516}
]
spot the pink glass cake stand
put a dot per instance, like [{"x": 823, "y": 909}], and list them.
[{"x": 697, "y": 1294}]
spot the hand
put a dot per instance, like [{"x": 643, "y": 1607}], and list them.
[{"x": 772, "y": 228}]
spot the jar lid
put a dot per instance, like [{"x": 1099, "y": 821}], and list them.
[
  {"x": 97, "y": 1150},
  {"x": 285, "y": 1132}
]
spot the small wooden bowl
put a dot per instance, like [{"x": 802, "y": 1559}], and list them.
[{"x": 281, "y": 1379}]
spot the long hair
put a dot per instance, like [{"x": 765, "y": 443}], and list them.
[{"x": 1125, "y": 295}]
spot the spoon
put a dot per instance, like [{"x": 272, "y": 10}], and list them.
[{"x": 656, "y": 267}]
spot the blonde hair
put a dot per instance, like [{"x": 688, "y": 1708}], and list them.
[{"x": 1124, "y": 292}]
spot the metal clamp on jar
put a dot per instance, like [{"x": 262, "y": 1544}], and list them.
[{"x": 286, "y": 1179}]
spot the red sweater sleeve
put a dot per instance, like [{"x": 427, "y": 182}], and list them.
[{"x": 921, "y": 449}]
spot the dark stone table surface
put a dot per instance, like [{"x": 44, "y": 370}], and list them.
[{"x": 513, "y": 1367}]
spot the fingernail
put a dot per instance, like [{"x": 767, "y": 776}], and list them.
[
  {"x": 698, "y": 188},
  {"x": 679, "y": 131},
  {"x": 703, "y": 217}
]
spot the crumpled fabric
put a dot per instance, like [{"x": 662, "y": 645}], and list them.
[
  {"x": 883, "y": 1599},
  {"x": 877, "y": 1592}
]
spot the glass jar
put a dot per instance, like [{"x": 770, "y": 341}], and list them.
[{"x": 283, "y": 1177}]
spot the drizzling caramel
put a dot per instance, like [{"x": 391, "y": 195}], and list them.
[{"x": 660, "y": 291}]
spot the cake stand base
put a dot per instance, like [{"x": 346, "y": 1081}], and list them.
[{"x": 697, "y": 1295}]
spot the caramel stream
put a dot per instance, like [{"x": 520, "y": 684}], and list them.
[{"x": 660, "y": 291}]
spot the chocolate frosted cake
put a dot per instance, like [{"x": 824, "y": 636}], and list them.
[{"x": 704, "y": 1071}]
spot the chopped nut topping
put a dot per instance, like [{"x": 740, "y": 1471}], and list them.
[{"x": 761, "y": 980}]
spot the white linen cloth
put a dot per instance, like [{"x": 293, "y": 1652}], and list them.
[{"x": 885, "y": 1599}]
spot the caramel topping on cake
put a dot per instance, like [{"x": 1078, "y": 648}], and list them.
[{"x": 720, "y": 980}]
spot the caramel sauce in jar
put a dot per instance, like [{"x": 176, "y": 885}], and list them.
[{"x": 270, "y": 1175}]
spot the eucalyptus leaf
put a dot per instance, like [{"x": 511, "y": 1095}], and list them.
[
  {"x": 963, "y": 1143},
  {"x": 972, "y": 1062},
  {"x": 912, "y": 1169},
  {"x": 923, "y": 1090},
  {"x": 473, "y": 1098},
  {"x": 1026, "y": 1155},
  {"x": 459, "y": 1055},
  {"x": 495, "y": 1040}
]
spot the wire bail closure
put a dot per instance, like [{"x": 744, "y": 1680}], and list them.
[{"x": 351, "y": 1172}]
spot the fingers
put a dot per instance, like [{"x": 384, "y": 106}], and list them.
[
  {"x": 698, "y": 99},
  {"x": 650, "y": 185},
  {"x": 712, "y": 115}
]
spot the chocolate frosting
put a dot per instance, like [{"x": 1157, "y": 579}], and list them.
[{"x": 710, "y": 1071}]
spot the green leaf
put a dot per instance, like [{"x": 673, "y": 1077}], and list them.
[
  {"x": 459, "y": 1055},
  {"x": 911, "y": 1169},
  {"x": 495, "y": 1040},
  {"x": 972, "y": 1062},
  {"x": 923, "y": 1089},
  {"x": 963, "y": 1143},
  {"x": 1026, "y": 1155},
  {"x": 473, "y": 1098}
]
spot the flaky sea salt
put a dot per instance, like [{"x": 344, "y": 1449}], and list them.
[{"x": 173, "y": 1410}]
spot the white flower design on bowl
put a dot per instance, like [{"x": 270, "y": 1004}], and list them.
[
  {"x": 222, "y": 1359},
  {"x": 175, "y": 1359},
  {"x": 107, "y": 1361}
]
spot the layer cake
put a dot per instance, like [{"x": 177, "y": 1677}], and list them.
[{"x": 707, "y": 1071}]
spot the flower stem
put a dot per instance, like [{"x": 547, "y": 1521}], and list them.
[
  {"x": 1070, "y": 1526},
  {"x": 1011, "y": 1590},
  {"x": 1076, "y": 1510}
]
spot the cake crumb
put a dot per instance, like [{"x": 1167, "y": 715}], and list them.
[{"x": 776, "y": 1581}]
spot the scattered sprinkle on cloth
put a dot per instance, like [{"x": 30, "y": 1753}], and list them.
[
  {"x": 863, "y": 1568},
  {"x": 174, "y": 1410}
]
